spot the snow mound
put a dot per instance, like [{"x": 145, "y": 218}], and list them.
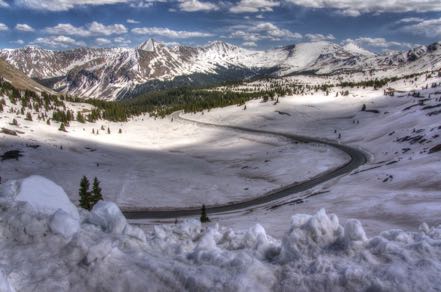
[
  {"x": 64, "y": 224},
  {"x": 108, "y": 216},
  {"x": 42, "y": 194},
  {"x": 316, "y": 254}
]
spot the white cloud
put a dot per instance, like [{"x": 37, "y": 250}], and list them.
[
  {"x": 122, "y": 41},
  {"x": 166, "y": 32},
  {"x": 132, "y": 21},
  {"x": 357, "y": 7},
  {"x": 317, "y": 37},
  {"x": 92, "y": 29},
  {"x": 144, "y": 3},
  {"x": 60, "y": 41},
  {"x": 262, "y": 31},
  {"x": 3, "y": 4},
  {"x": 18, "y": 42},
  {"x": 429, "y": 28},
  {"x": 3, "y": 27},
  {"x": 102, "y": 41},
  {"x": 196, "y": 5},
  {"x": 381, "y": 43},
  {"x": 63, "y": 5},
  {"x": 24, "y": 27},
  {"x": 410, "y": 20},
  {"x": 253, "y": 6},
  {"x": 249, "y": 44}
]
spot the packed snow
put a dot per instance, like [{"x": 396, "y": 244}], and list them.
[{"x": 104, "y": 253}]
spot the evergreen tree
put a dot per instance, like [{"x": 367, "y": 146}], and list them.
[
  {"x": 96, "y": 192},
  {"x": 1, "y": 107},
  {"x": 48, "y": 122},
  {"x": 14, "y": 122},
  {"x": 363, "y": 108},
  {"x": 120, "y": 131},
  {"x": 62, "y": 128},
  {"x": 85, "y": 196},
  {"x": 108, "y": 130},
  {"x": 80, "y": 118},
  {"x": 28, "y": 117},
  {"x": 204, "y": 217}
]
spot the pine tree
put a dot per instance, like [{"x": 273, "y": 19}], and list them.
[
  {"x": 62, "y": 128},
  {"x": 85, "y": 196},
  {"x": 1, "y": 107},
  {"x": 48, "y": 122},
  {"x": 80, "y": 118},
  {"x": 14, "y": 122},
  {"x": 96, "y": 192},
  {"x": 120, "y": 131},
  {"x": 204, "y": 217},
  {"x": 108, "y": 130},
  {"x": 28, "y": 117}
]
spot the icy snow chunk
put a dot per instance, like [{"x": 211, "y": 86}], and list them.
[
  {"x": 99, "y": 251},
  {"x": 134, "y": 232},
  {"x": 64, "y": 224},
  {"x": 43, "y": 195},
  {"x": 4, "y": 283},
  {"x": 354, "y": 231},
  {"x": 108, "y": 216}
]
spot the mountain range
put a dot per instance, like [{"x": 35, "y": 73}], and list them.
[{"x": 117, "y": 73}]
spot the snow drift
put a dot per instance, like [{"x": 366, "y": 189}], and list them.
[{"x": 45, "y": 250}]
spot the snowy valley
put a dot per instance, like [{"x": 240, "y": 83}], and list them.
[{"x": 296, "y": 119}]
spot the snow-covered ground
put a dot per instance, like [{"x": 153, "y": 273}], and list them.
[
  {"x": 43, "y": 249},
  {"x": 398, "y": 188},
  {"x": 160, "y": 163}
]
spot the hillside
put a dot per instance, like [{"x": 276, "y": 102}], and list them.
[{"x": 19, "y": 79}]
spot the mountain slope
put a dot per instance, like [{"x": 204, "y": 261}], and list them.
[
  {"x": 124, "y": 72},
  {"x": 19, "y": 79}
]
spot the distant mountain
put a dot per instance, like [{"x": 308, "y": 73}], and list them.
[{"x": 125, "y": 72}]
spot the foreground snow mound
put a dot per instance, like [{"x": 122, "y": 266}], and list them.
[
  {"x": 42, "y": 194},
  {"x": 55, "y": 252}
]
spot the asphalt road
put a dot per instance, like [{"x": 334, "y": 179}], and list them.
[{"x": 357, "y": 158}]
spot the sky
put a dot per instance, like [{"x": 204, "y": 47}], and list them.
[{"x": 379, "y": 26}]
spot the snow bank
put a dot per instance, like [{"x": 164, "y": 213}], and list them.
[
  {"x": 42, "y": 194},
  {"x": 105, "y": 253}
]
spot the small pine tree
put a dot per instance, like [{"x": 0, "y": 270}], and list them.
[
  {"x": 85, "y": 196},
  {"x": 363, "y": 108},
  {"x": 96, "y": 192},
  {"x": 62, "y": 128},
  {"x": 48, "y": 122},
  {"x": 28, "y": 117},
  {"x": 1, "y": 107},
  {"x": 204, "y": 217},
  {"x": 120, "y": 131},
  {"x": 93, "y": 131},
  {"x": 108, "y": 130},
  {"x": 80, "y": 118},
  {"x": 14, "y": 122}
]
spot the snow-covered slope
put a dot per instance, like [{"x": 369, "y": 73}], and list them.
[
  {"x": 100, "y": 251},
  {"x": 112, "y": 73}
]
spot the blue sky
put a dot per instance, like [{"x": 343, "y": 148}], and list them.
[{"x": 257, "y": 24}]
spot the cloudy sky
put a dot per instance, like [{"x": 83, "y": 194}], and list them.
[{"x": 259, "y": 24}]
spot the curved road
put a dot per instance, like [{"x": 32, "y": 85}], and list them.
[{"x": 358, "y": 158}]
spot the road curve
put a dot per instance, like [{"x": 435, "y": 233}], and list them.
[{"x": 357, "y": 158}]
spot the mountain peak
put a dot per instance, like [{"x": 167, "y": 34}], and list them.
[{"x": 148, "y": 46}]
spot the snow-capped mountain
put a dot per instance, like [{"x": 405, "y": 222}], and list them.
[{"x": 124, "y": 72}]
